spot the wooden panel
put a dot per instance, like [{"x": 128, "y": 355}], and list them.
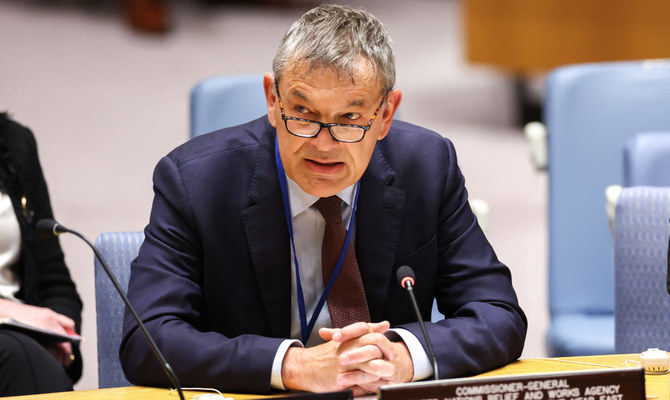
[{"x": 537, "y": 35}]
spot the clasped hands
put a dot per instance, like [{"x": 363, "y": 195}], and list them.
[{"x": 358, "y": 357}]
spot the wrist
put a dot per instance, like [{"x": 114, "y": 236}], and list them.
[
  {"x": 8, "y": 308},
  {"x": 404, "y": 367},
  {"x": 290, "y": 368}
]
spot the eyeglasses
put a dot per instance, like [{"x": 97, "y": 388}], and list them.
[{"x": 306, "y": 128}]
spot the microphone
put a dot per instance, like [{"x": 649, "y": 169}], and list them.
[
  {"x": 49, "y": 228},
  {"x": 405, "y": 275}
]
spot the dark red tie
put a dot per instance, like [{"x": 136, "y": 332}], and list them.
[{"x": 346, "y": 300}]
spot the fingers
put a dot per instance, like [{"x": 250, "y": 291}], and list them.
[
  {"x": 397, "y": 369},
  {"x": 365, "y": 348},
  {"x": 68, "y": 355},
  {"x": 364, "y": 356},
  {"x": 356, "y": 378},
  {"x": 58, "y": 322},
  {"x": 62, "y": 352},
  {"x": 365, "y": 372},
  {"x": 44, "y": 318},
  {"x": 66, "y": 347},
  {"x": 66, "y": 322},
  {"x": 360, "y": 355},
  {"x": 360, "y": 344},
  {"x": 365, "y": 361},
  {"x": 365, "y": 364},
  {"x": 353, "y": 331}
]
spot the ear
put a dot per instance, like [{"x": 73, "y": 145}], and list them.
[
  {"x": 388, "y": 111},
  {"x": 270, "y": 97}
]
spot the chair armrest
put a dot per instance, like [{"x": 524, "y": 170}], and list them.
[
  {"x": 536, "y": 133},
  {"x": 612, "y": 194}
]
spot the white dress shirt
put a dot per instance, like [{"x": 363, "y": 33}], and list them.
[
  {"x": 10, "y": 248},
  {"x": 308, "y": 230}
]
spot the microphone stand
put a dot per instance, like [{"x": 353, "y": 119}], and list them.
[
  {"x": 431, "y": 353},
  {"x": 57, "y": 229}
]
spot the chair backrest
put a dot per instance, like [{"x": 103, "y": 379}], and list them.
[
  {"x": 641, "y": 230},
  {"x": 590, "y": 111},
  {"x": 118, "y": 249},
  {"x": 222, "y": 101},
  {"x": 647, "y": 159}
]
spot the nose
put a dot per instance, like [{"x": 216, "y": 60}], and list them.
[{"x": 324, "y": 140}]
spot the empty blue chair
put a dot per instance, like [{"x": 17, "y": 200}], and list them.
[
  {"x": 118, "y": 249},
  {"x": 222, "y": 101},
  {"x": 590, "y": 111},
  {"x": 642, "y": 306},
  {"x": 647, "y": 159}
]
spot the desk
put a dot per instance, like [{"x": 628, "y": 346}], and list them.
[{"x": 658, "y": 386}]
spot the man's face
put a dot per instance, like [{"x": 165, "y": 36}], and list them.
[{"x": 322, "y": 166}]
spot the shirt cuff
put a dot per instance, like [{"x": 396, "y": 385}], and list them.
[
  {"x": 422, "y": 365},
  {"x": 275, "y": 380}
]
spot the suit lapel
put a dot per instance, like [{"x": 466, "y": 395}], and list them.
[
  {"x": 267, "y": 237},
  {"x": 378, "y": 222}
]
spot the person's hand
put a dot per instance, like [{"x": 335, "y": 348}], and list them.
[
  {"x": 358, "y": 356},
  {"x": 62, "y": 352},
  {"x": 367, "y": 351},
  {"x": 401, "y": 371},
  {"x": 44, "y": 318},
  {"x": 313, "y": 369}
]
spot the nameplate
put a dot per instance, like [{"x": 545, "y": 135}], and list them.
[{"x": 612, "y": 384}]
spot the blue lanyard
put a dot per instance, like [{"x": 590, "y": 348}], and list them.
[{"x": 306, "y": 329}]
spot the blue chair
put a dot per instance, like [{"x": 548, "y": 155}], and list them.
[
  {"x": 222, "y": 101},
  {"x": 590, "y": 111},
  {"x": 642, "y": 304},
  {"x": 118, "y": 249},
  {"x": 647, "y": 159}
]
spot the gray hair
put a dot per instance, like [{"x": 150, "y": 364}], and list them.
[{"x": 337, "y": 37}]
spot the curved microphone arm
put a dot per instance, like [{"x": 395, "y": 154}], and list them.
[
  {"x": 51, "y": 228},
  {"x": 405, "y": 275},
  {"x": 433, "y": 358}
]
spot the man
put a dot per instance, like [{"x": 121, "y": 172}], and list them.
[{"x": 231, "y": 272}]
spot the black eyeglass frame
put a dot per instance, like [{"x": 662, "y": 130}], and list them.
[{"x": 322, "y": 125}]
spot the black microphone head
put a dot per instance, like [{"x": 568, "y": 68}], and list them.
[
  {"x": 48, "y": 228},
  {"x": 405, "y": 274}
]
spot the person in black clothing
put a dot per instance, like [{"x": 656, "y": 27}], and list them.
[{"x": 35, "y": 284}]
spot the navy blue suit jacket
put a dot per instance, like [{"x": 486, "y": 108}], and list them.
[{"x": 212, "y": 280}]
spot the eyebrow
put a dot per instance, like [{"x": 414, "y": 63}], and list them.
[
  {"x": 353, "y": 103},
  {"x": 298, "y": 93}
]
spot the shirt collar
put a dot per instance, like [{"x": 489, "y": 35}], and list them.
[{"x": 301, "y": 200}]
